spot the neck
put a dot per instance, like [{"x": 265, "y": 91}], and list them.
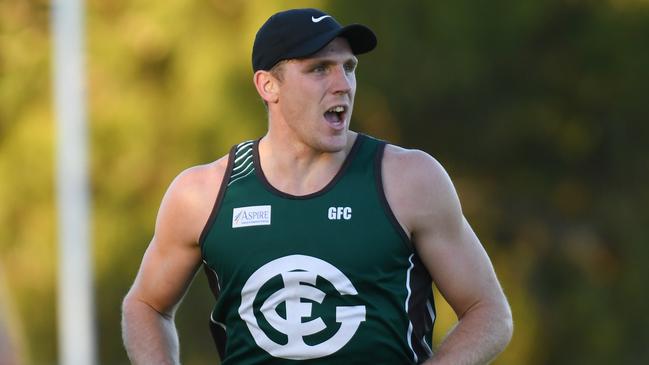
[{"x": 295, "y": 168}]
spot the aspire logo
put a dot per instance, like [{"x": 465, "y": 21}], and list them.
[
  {"x": 299, "y": 274},
  {"x": 258, "y": 215}
]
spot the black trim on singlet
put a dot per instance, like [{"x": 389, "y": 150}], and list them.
[
  {"x": 341, "y": 172},
  {"x": 212, "y": 280},
  {"x": 378, "y": 174},
  {"x": 420, "y": 280},
  {"x": 218, "y": 333},
  {"x": 219, "y": 198},
  {"x": 420, "y": 294},
  {"x": 220, "y": 338}
]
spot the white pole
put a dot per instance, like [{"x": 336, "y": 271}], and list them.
[{"x": 76, "y": 329}]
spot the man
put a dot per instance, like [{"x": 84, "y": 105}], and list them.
[{"x": 320, "y": 244}]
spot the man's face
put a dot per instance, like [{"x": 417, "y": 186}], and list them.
[{"x": 316, "y": 96}]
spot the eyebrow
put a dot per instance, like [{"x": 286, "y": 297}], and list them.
[{"x": 328, "y": 61}]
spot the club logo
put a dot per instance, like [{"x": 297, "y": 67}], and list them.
[{"x": 299, "y": 274}]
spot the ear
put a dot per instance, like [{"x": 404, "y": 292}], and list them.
[{"x": 267, "y": 86}]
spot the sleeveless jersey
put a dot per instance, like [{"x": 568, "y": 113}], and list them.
[{"x": 324, "y": 278}]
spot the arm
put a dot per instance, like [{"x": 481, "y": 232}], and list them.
[
  {"x": 168, "y": 266},
  {"x": 429, "y": 209}
]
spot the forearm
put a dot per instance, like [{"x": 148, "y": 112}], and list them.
[
  {"x": 480, "y": 335},
  {"x": 149, "y": 337}
]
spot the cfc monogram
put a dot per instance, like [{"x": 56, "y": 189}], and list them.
[
  {"x": 299, "y": 274},
  {"x": 338, "y": 213}
]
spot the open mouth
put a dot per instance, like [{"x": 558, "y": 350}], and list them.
[{"x": 336, "y": 115}]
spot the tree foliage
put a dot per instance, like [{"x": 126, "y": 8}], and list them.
[{"x": 536, "y": 109}]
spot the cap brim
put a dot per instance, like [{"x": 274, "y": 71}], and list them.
[{"x": 361, "y": 40}]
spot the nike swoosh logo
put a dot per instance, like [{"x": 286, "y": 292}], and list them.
[{"x": 317, "y": 20}]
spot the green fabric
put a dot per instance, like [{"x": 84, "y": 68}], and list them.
[{"x": 335, "y": 250}]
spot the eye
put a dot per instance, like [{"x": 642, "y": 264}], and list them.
[
  {"x": 319, "y": 68},
  {"x": 350, "y": 66}
]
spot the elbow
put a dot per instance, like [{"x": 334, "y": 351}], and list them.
[
  {"x": 134, "y": 307},
  {"x": 509, "y": 328},
  {"x": 129, "y": 302},
  {"x": 129, "y": 307},
  {"x": 506, "y": 325}
]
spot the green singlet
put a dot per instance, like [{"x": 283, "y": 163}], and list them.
[{"x": 324, "y": 278}]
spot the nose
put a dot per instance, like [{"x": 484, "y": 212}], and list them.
[{"x": 342, "y": 82}]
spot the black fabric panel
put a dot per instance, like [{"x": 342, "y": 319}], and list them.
[
  {"x": 378, "y": 173},
  {"x": 218, "y": 333},
  {"x": 220, "y": 338},
  {"x": 212, "y": 280},
  {"x": 219, "y": 197},
  {"x": 420, "y": 293}
]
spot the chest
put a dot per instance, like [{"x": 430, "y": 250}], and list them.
[{"x": 349, "y": 230}]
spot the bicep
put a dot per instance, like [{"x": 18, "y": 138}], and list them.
[
  {"x": 165, "y": 274},
  {"x": 430, "y": 210},
  {"x": 459, "y": 266},
  {"x": 174, "y": 255}
]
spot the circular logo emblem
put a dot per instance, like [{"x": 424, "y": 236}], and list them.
[{"x": 299, "y": 274}]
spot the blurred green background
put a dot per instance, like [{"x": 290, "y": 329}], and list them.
[{"x": 538, "y": 110}]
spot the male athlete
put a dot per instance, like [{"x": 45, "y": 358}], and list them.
[{"x": 321, "y": 244}]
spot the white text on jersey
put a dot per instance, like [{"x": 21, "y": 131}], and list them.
[{"x": 338, "y": 213}]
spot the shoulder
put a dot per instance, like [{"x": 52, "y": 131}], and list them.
[
  {"x": 188, "y": 202},
  {"x": 416, "y": 171},
  {"x": 412, "y": 161},
  {"x": 199, "y": 179},
  {"x": 418, "y": 189}
]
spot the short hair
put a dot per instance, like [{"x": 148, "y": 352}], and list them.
[{"x": 278, "y": 72}]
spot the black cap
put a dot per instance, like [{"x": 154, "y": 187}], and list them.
[{"x": 299, "y": 33}]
